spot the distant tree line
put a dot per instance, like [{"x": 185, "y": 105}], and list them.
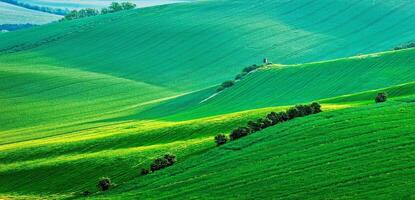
[
  {"x": 405, "y": 46},
  {"x": 271, "y": 119},
  {"x": 14, "y": 27},
  {"x": 56, "y": 11},
  {"x": 88, "y": 12}
]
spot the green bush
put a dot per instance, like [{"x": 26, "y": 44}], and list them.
[
  {"x": 273, "y": 117},
  {"x": 239, "y": 132},
  {"x": 104, "y": 183},
  {"x": 221, "y": 139},
  {"x": 82, "y": 13},
  {"x": 167, "y": 160},
  {"x": 116, "y": 7},
  {"x": 282, "y": 117},
  {"x": 225, "y": 85},
  {"x": 381, "y": 97},
  {"x": 254, "y": 126},
  {"x": 158, "y": 164},
  {"x": 315, "y": 107},
  {"x": 264, "y": 123},
  {"x": 293, "y": 112},
  {"x": 171, "y": 158}
]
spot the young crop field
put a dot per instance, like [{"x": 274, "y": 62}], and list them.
[{"x": 105, "y": 96}]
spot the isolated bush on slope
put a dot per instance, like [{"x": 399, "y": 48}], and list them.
[
  {"x": 104, "y": 184},
  {"x": 221, "y": 139},
  {"x": 381, "y": 97}
]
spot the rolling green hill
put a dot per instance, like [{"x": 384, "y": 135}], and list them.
[
  {"x": 121, "y": 146},
  {"x": 105, "y": 95},
  {"x": 277, "y": 85},
  {"x": 358, "y": 153}
]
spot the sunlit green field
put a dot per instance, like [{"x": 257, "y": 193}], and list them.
[
  {"x": 355, "y": 153},
  {"x": 106, "y": 95}
]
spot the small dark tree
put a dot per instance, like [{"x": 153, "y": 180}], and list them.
[
  {"x": 273, "y": 117},
  {"x": 158, "y": 164},
  {"x": 254, "y": 126},
  {"x": 104, "y": 183},
  {"x": 264, "y": 123},
  {"x": 301, "y": 110},
  {"x": 282, "y": 117},
  {"x": 171, "y": 158},
  {"x": 115, "y": 7},
  {"x": 308, "y": 110},
  {"x": 127, "y": 6},
  {"x": 144, "y": 171},
  {"x": 227, "y": 84},
  {"x": 293, "y": 112},
  {"x": 221, "y": 139},
  {"x": 239, "y": 132},
  {"x": 381, "y": 97},
  {"x": 315, "y": 107}
]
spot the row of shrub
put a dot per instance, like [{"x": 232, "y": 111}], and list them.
[
  {"x": 245, "y": 71},
  {"x": 88, "y": 12},
  {"x": 160, "y": 163},
  {"x": 271, "y": 119},
  {"x": 405, "y": 46}
]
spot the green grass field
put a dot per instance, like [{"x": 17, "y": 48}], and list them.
[
  {"x": 355, "y": 153},
  {"x": 104, "y": 96}
]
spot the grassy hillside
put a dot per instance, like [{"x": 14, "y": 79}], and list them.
[
  {"x": 118, "y": 145},
  {"x": 358, "y": 153},
  {"x": 281, "y": 85},
  {"x": 11, "y": 14},
  {"x": 187, "y": 48},
  {"x": 214, "y": 39},
  {"x": 103, "y": 96}
]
